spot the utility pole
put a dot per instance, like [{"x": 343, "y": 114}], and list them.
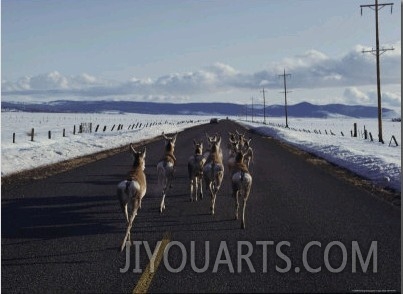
[
  {"x": 285, "y": 96},
  {"x": 377, "y": 52},
  {"x": 264, "y": 107},
  {"x": 252, "y": 109}
]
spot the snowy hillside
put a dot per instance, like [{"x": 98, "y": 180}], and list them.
[{"x": 303, "y": 109}]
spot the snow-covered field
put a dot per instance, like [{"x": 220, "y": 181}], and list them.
[
  {"x": 377, "y": 162},
  {"x": 26, "y": 154}
]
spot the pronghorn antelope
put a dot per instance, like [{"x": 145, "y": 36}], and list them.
[
  {"x": 207, "y": 152},
  {"x": 233, "y": 147},
  {"x": 166, "y": 167},
  {"x": 248, "y": 152},
  {"x": 238, "y": 142},
  {"x": 211, "y": 140},
  {"x": 195, "y": 170},
  {"x": 241, "y": 139},
  {"x": 241, "y": 181},
  {"x": 131, "y": 191},
  {"x": 232, "y": 137},
  {"x": 213, "y": 171}
]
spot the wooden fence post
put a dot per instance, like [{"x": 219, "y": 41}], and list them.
[
  {"x": 394, "y": 139},
  {"x": 32, "y": 134},
  {"x": 355, "y": 130},
  {"x": 49, "y": 135},
  {"x": 13, "y": 137},
  {"x": 74, "y": 130},
  {"x": 64, "y": 132}
]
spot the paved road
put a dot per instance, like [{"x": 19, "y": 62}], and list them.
[{"x": 62, "y": 234}]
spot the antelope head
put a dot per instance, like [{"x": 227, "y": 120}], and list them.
[
  {"x": 233, "y": 147},
  {"x": 247, "y": 143},
  {"x": 198, "y": 147},
  {"x": 138, "y": 157},
  {"x": 242, "y": 140},
  {"x": 212, "y": 139},
  {"x": 169, "y": 142},
  {"x": 215, "y": 145},
  {"x": 232, "y": 137}
]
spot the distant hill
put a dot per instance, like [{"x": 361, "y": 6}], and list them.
[{"x": 303, "y": 109}]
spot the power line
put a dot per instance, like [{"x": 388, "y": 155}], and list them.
[
  {"x": 285, "y": 95},
  {"x": 377, "y": 52}
]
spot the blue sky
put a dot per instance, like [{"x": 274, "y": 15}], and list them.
[{"x": 192, "y": 51}]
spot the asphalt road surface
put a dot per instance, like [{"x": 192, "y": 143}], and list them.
[{"x": 307, "y": 230}]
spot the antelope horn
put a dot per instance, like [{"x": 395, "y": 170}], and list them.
[{"x": 132, "y": 149}]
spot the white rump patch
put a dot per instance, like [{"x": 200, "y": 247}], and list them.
[
  {"x": 237, "y": 178},
  {"x": 133, "y": 186}
]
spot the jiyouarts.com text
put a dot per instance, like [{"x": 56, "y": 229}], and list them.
[{"x": 263, "y": 256}]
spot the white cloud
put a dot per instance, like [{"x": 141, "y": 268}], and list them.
[
  {"x": 355, "y": 96},
  {"x": 310, "y": 70},
  {"x": 390, "y": 99},
  {"x": 51, "y": 81},
  {"x": 84, "y": 79},
  {"x": 221, "y": 69},
  {"x": 308, "y": 59}
]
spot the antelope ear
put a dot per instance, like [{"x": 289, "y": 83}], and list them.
[
  {"x": 201, "y": 145},
  {"x": 143, "y": 154},
  {"x": 194, "y": 142},
  {"x": 132, "y": 150},
  {"x": 219, "y": 140},
  {"x": 208, "y": 138}
]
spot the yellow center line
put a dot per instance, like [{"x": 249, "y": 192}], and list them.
[{"x": 146, "y": 278}]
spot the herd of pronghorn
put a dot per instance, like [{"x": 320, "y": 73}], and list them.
[{"x": 207, "y": 166}]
